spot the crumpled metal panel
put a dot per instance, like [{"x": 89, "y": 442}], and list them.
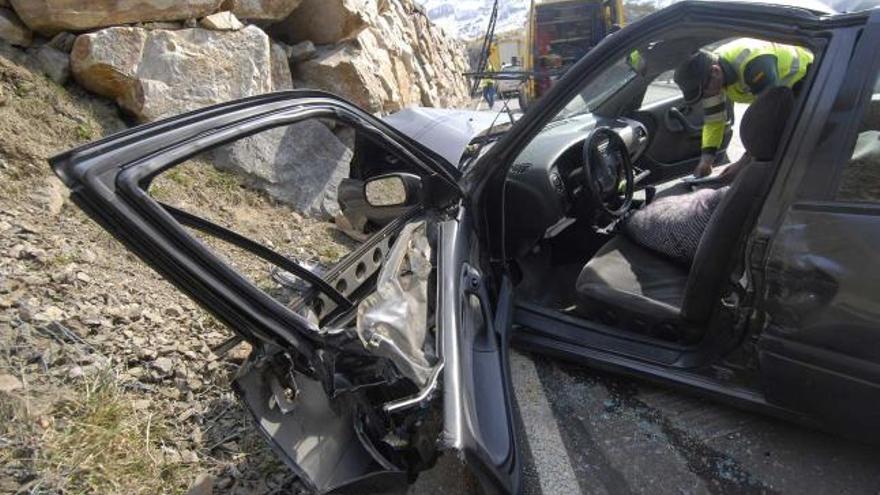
[
  {"x": 317, "y": 438},
  {"x": 393, "y": 321}
]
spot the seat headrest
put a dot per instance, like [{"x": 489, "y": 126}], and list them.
[{"x": 764, "y": 122}]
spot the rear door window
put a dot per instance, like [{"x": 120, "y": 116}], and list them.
[{"x": 860, "y": 179}]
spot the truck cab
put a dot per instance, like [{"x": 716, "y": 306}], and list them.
[{"x": 560, "y": 32}]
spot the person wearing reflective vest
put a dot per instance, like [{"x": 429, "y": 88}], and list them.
[
  {"x": 489, "y": 88},
  {"x": 737, "y": 71}
]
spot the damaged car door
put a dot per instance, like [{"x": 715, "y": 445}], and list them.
[{"x": 350, "y": 376}]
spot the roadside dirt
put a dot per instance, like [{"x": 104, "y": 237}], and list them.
[{"x": 107, "y": 379}]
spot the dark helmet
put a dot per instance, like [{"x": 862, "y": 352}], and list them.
[{"x": 693, "y": 74}]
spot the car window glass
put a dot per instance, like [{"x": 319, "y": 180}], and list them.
[
  {"x": 661, "y": 88},
  {"x": 599, "y": 89},
  {"x": 861, "y": 174}
]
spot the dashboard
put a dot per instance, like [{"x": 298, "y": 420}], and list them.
[{"x": 544, "y": 186}]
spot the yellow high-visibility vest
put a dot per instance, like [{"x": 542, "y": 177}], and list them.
[
  {"x": 488, "y": 83},
  {"x": 791, "y": 65}
]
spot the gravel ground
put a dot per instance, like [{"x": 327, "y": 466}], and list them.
[{"x": 107, "y": 379}]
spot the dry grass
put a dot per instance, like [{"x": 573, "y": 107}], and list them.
[
  {"x": 197, "y": 187},
  {"x": 38, "y": 119},
  {"x": 92, "y": 441},
  {"x": 102, "y": 444}
]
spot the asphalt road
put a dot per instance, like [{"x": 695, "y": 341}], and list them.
[{"x": 589, "y": 432}]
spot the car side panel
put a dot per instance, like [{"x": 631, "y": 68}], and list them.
[{"x": 821, "y": 351}]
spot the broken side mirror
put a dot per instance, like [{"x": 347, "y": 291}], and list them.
[{"x": 397, "y": 189}]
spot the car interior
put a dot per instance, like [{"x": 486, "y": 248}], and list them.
[{"x": 573, "y": 260}]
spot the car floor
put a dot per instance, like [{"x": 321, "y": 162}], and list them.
[{"x": 551, "y": 286}]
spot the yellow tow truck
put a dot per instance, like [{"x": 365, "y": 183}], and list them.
[{"x": 560, "y": 32}]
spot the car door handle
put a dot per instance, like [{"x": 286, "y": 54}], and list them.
[
  {"x": 676, "y": 122},
  {"x": 474, "y": 285}
]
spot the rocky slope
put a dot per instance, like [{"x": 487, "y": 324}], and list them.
[
  {"x": 364, "y": 50},
  {"x": 155, "y": 61},
  {"x": 107, "y": 379}
]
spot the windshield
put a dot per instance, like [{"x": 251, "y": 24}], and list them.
[{"x": 599, "y": 89}]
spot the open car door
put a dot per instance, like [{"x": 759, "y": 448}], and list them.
[{"x": 366, "y": 370}]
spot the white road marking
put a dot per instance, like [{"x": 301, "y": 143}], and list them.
[{"x": 552, "y": 463}]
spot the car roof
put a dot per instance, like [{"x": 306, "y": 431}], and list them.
[
  {"x": 822, "y": 6},
  {"x": 842, "y": 6}
]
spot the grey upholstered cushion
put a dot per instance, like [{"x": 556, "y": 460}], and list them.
[
  {"x": 673, "y": 225},
  {"x": 623, "y": 275}
]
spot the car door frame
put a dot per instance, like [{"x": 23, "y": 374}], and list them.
[
  {"x": 108, "y": 179},
  {"x": 479, "y": 416},
  {"x": 96, "y": 178}
]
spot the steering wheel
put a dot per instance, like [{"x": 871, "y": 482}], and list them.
[{"x": 608, "y": 171}]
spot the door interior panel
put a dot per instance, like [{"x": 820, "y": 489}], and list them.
[{"x": 675, "y": 131}]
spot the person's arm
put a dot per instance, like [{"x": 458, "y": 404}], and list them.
[{"x": 714, "y": 125}]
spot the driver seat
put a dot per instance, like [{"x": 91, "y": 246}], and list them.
[{"x": 631, "y": 287}]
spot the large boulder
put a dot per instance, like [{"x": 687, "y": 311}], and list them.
[
  {"x": 52, "y": 16},
  {"x": 281, "y": 77},
  {"x": 347, "y": 71},
  {"x": 157, "y": 73},
  {"x": 399, "y": 59},
  {"x": 261, "y": 10},
  {"x": 327, "y": 21},
  {"x": 300, "y": 164},
  {"x": 12, "y": 30}
]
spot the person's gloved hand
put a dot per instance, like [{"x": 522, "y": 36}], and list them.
[{"x": 705, "y": 166}]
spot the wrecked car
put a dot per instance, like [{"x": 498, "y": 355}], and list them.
[{"x": 369, "y": 368}]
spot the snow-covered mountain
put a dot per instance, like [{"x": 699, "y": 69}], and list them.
[{"x": 468, "y": 19}]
